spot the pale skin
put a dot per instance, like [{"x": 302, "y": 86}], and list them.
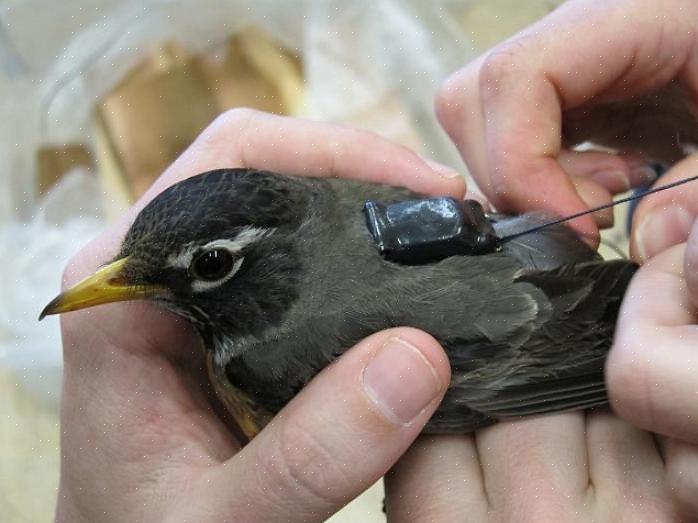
[
  {"x": 140, "y": 442},
  {"x": 588, "y": 71}
]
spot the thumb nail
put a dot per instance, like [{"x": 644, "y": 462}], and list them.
[
  {"x": 614, "y": 180},
  {"x": 662, "y": 228},
  {"x": 400, "y": 380},
  {"x": 643, "y": 175},
  {"x": 442, "y": 170}
]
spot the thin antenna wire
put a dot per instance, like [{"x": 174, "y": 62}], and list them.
[{"x": 599, "y": 208}]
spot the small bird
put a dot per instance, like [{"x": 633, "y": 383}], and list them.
[{"x": 280, "y": 276}]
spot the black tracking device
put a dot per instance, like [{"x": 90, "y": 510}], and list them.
[{"x": 419, "y": 231}]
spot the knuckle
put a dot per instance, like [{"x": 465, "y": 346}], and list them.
[
  {"x": 305, "y": 467},
  {"x": 227, "y": 132},
  {"x": 231, "y": 121},
  {"x": 448, "y": 102},
  {"x": 235, "y": 116},
  {"x": 500, "y": 64}
]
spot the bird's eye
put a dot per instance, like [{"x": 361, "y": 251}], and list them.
[{"x": 212, "y": 265}]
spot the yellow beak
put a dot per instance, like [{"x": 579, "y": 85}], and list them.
[{"x": 107, "y": 285}]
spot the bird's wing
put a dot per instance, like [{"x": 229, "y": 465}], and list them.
[
  {"x": 560, "y": 366},
  {"x": 546, "y": 249},
  {"x": 519, "y": 342}
]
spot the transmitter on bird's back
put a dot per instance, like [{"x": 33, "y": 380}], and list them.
[{"x": 418, "y": 231}]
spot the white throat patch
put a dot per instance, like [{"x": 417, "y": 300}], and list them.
[{"x": 224, "y": 349}]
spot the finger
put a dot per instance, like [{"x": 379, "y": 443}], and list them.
[
  {"x": 525, "y": 84},
  {"x": 551, "y": 449},
  {"x": 625, "y": 467},
  {"x": 459, "y": 112},
  {"x": 338, "y": 436},
  {"x": 652, "y": 368},
  {"x": 248, "y": 138},
  {"x": 594, "y": 194},
  {"x": 437, "y": 479},
  {"x": 615, "y": 173},
  {"x": 664, "y": 219},
  {"x": 682, "y": 474},
  {"x": 642, "y": 173}
]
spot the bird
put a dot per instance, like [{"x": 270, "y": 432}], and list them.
[{"x": 280, "y": 275}]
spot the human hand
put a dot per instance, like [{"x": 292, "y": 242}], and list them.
[
  {"x": 591, "y": 71},
  {"x": 620, "y": 73},
  {"x": 652, "y": 369},
  {"x": 572, "y": 467},
  {"x": 140, "y": 441}
]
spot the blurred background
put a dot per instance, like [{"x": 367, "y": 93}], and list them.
[{"x": 97, "y": 97}]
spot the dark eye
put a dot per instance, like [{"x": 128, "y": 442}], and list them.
[{"x": 212, "y": 265}]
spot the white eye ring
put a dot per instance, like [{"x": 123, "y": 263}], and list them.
[
  {"x": 248, "y": 235},
  {"x": 211, "y": 264},
  {"x": 191, "y": 251},
  {"x": 200, "y": 285}
]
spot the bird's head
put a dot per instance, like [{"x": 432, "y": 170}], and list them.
[{"x": 217, "y": 248}]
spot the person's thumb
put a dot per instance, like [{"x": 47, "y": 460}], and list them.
[{"x": 337, "y": 437}]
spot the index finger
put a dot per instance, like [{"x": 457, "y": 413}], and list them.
[
  {"x": 249, "y": 138},
  {"x": 505, "y": 110}
]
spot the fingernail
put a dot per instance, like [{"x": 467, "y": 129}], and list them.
[
  {"x": 604, "y": 219},
  {"x": 643, "y": 175},
  {"x": 481, "y": 198},
  {"x": 400, "y": 380},
  {"x": 442, "y": 170},
  {"x": 661, "y": 229},
  {"x": 615, "y": 180}
]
